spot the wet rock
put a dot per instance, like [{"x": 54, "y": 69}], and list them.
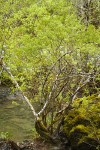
[
  {"x": 8, "y": 145},
  {"x": 4, "y": 92},
  {"x": 15, "y": 96}
]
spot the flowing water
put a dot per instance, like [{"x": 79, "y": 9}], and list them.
[{"x": 16, "y": 119}]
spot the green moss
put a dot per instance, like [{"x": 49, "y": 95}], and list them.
[
  {"x": 79, "y": 128},
  {"x": 77, "y": 133},
  {"x": 83, "y": 122},
  {"x": 42, "y": 130}
]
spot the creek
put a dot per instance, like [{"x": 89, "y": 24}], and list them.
[{"x": 16, "y": 119}]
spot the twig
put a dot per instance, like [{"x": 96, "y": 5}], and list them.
[
  {"x": 49, "y": 97},
  {"x": 51, "y": 69},
  {"x": 84, "y": 83}
]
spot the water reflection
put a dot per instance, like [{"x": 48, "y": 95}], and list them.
[{"x": 16, "y": 119}]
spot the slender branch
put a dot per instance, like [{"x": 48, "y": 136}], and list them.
[
  {"x": 75, "y": 93},
  {"x": 64, "y": 85},
  {"x": 18, "y": 87},
  {"x": 49, "y": 97},
  {"x": 25, "y": 98},
  {"x": 53, "y": 88},
  {"x": 68, "y": 107},
  {"x": 52, "y": 68},
  {"x": 78, "y": 88}
]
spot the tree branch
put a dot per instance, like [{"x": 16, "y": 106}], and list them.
[{"x": 18, "y": 87}]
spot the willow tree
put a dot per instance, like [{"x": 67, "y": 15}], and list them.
[{"x": 48, "y": 51}]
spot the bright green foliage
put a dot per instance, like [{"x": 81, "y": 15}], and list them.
[
  {"x": 39, "y": 32},
  {"x": 33, "y": 36},
  {"x": 4, "y": 135}
]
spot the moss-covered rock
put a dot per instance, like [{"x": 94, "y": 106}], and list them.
[{"x": 82, "y": 123}]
